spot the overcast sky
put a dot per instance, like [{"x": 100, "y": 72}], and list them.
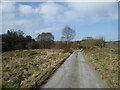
[{"x": 86, "y": 18}]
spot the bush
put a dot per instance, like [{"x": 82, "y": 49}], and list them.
[{"x": 88, "y": 43}]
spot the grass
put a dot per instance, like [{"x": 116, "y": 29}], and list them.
[
  {"x": 29, "y": 68},
  {"x": 105, "y": 63}
]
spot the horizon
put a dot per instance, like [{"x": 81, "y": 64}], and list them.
[{"x": 91, "y": 19}]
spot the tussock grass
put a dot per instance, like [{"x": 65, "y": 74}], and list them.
[
  {"x": 29, "y": 68},
  {"x": 105, "y": 63}
]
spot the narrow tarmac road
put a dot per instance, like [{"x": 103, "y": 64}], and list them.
[{"x": 75, "y": 72}]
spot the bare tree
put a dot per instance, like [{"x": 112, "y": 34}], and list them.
[{"x": 68, "y": 34}]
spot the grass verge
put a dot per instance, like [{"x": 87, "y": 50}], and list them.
[{"x": 105, "y": 62}]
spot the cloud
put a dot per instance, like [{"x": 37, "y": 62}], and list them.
[
  {"x": 31, "y": 18},
  {"x": 77, "y": 12},
  {"x": 17, "y": 16},
  {"x": 8, "y": 7},
  {"x": 95, "y": 12},
  {"x": 48, "y": 29},
  {"x": 26, "y": 9},
  {"x": 50, "y": 11},
  {"x": 0, "y": 18},
  {"x": 8, "y": 10}
]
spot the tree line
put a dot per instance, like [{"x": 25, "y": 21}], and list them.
[{"x": 16, "y": 40}]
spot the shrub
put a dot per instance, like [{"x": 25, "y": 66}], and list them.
[{"x": 88, "y": 43}]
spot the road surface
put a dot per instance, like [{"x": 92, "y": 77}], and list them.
[{"x": 75, "y": 72}]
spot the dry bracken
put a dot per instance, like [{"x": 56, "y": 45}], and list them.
[{"x": 29, "y": 68}]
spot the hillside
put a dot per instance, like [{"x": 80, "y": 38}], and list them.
[{"x": 29, "y": 68}]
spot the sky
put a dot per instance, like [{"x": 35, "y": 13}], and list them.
[{"x": 88, "y": 19}]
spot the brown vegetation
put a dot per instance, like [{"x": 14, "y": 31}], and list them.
[
  {"x": 105, "y": 63},
  {"x": 29, "y": 68}
]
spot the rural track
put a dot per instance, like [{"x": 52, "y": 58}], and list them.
[{"x": 75, "y": 72}]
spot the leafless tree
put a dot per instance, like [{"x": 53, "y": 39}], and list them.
[{"x": 68, "y": 34}]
